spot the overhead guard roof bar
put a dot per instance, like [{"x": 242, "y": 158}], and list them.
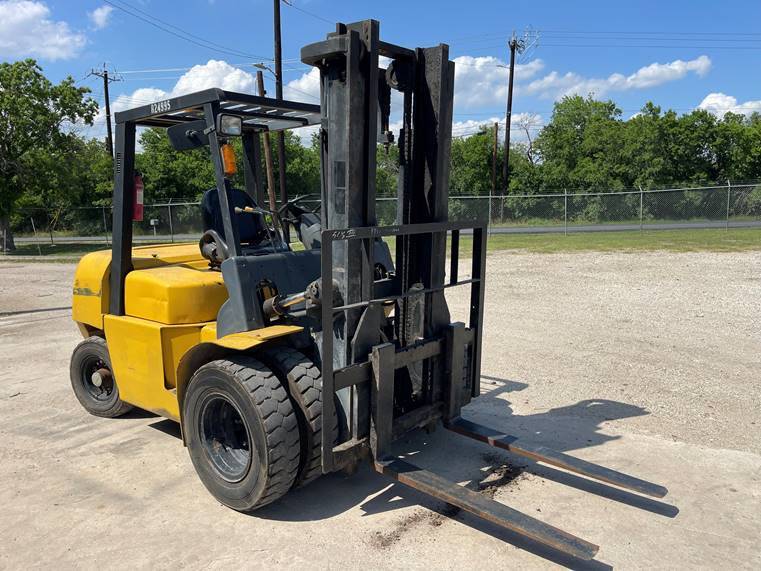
[{"x": 258, "y": 113}]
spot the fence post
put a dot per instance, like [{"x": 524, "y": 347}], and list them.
[
  {"x": 105, "y": 224},
  {"x": 50, "y": 228},
  {"x": 39, "y": 250},
  {"x": 171, "y": 228},
  {"x": 641, "y": 196},
  {"x": 565, "y": 211},
  {"x": 729, "y": 192},
  {"x": 488, "y": 226}
]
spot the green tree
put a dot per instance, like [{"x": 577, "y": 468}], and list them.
[
  {"x": 34, "y": 114},
  {"x": 470, "y": 160},
  {"x": 580, "y": 146},
  {"x": 75, "y": 173}
]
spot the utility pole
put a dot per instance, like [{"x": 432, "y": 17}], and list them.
[
  {"x": 515, "y": 45},
  {"x": 279, "y": 97},
  {"x": 103, "y": 74},
  {"x": 267, "y": 151},
  {"x": 494, "y": 160}
]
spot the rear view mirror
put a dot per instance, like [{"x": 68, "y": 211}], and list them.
[
  {"x": 229, "y": 125},
  {"x": 186, "y": 136}
]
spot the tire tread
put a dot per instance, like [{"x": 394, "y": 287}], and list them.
[{"x": 278, "y": 419}]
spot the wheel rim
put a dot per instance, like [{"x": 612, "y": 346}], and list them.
[
  {"x": 95, "y": 369},
  {"x": 225, "y": 438}
]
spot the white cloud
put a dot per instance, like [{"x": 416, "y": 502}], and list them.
[
  {"x": 555, "y": 85},
  {"x": 100, "y": 16},
  {"x": 481, "y": 81},
  {"x": 214, "y": 73},
  {"x": 306, "y": 88},
  {"x": 26, "y": 30},
  {"x": 719, "y": 104},
  {"x": 138, "y": 97},
  {"x": 520, "y": 121}
]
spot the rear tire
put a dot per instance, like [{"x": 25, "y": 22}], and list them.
[
  {"x": 91, "y": 364},
  {"x": 303, "y": 379},
  {"x": 241, "y": 432}
]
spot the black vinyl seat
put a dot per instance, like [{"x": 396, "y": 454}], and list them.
[{"x": 251, "y": 225}]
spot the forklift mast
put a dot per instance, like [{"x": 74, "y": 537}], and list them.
[{"x": 389, "y": 376}]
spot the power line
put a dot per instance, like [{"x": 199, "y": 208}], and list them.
[
  {"x": 172, "y": 69},
  {"x": 646, "y": 38},
  {"x": 183, "y": 34},
  {"x": 312, "y": 14},
  {"x": 653, "y": 33},
  {"x": 310, "y": 95},
  {"x": 639, "y": 46},
  {"x": 660, "y": 36}
]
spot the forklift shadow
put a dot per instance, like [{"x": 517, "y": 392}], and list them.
[
  {"x": 475, "y": 464},
  {"x": 563, "y": 428}
]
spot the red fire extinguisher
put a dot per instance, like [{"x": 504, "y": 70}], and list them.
[{"x": 137, "y": 204}]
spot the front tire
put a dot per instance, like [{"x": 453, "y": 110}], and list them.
[
  {"x": 241, "y": 432},
  {"x": 303, "y": 380},
  {"x": 93, "y": 380}
]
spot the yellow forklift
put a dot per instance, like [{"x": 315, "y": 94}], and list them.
[{"x": 281, "y": 365}]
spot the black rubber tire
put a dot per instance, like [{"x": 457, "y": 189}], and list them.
[
  {"x": 271, "y": 426},
  {"x": 93, "y": 352},
  {"x": 303, "y": 379}
]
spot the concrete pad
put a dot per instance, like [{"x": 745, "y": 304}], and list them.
[{"x": 84, "y": 492}]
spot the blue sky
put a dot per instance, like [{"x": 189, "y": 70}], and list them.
[{"x": 679, "y": 54}]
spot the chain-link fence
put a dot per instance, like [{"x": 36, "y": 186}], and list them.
[{"x": 730, "y": 205}]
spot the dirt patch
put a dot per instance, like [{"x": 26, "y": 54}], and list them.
[
  {"x": 499, "y": 475},
  {"x": 383, "y": 540}
]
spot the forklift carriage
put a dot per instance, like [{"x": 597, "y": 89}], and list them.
[{"x": 321, "y": 357}]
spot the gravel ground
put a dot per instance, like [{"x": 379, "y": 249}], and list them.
[
  {"x": 668, "y": 344},
  {"x": 647, "y": 363}
]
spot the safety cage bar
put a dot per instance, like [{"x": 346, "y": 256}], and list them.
[{"x": 384, "y": 359}]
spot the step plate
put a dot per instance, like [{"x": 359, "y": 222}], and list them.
[
  {"x": 490, "y": 510},
  {"x": 554, "y": 458}
]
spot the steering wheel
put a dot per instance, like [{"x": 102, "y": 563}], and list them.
[{"x": 283, "y": 207}]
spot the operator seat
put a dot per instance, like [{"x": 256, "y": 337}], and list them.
[{"x": 251, "y": 226}]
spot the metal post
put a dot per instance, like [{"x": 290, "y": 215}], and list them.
[
  {"x": 171, "y": 226},
  {"x": 514, "y": 45},
  {"x": 494, "y": 160},
  {"x": 39, "y": 250},
  {"x": 488, "y": 221},
  {"x": 105, "y": 225},
  {"x": 103, "y": 74},
  {"x": 641, "y": 215},
  {"x": 279, "y": 97},
  {"x": 494, "y": 177},
  {"x": 109, "y": 136},
  {"x": 267, "y": 152},
  {"x": 565, "y": 210},
  {"x": 729, "y": 192}
]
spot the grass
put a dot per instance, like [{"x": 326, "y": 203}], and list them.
[
  {"x": 685, "y": 240},
  {"x": 60, "y": 252}
]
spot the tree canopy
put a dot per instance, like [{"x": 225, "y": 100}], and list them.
[
  {"x": 586, "y": 145},
  {"x": 35, "y": 116}
]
